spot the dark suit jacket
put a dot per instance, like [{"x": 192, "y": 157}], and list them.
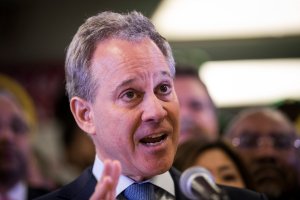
[
  {"x": 83, "y": 187},
  {"x": 36, "y": 192}
]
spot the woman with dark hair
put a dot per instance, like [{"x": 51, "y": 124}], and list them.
[{"x": 218, "y": 157}]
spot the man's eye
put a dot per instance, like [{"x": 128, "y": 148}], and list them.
[
  {"x": 229, "y": 177},
  {"x": 18, "y": 126},
  {"x": 196, "y": 105},
  {"x": 164, "y": 89},
  {"x": 129, "y": 95}
]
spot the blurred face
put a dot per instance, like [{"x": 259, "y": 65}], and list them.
[
  {"x": 221, "y": 166},
  {"x": 196, "y": 112},
  {"x": 267, "y": 147},
  {"x": 13, "y": 141},
  {"x": 81, "y": 152},
  {"x": 135, "y": 110}
]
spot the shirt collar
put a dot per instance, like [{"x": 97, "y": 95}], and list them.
[{"x": 163, "y": 181}]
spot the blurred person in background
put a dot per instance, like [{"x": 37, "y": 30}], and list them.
[
  {"x": 20, "y": 178},
  {"x": 217, "y": 157},
  {"x": 78, "y": 148},
  {"x": 266, "y": 140},
  {"x": 198, "y": 115}
]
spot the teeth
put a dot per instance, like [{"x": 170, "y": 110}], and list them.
[
  {"x": 154, "y": 139},
  {"x": 154, "y": 144},
  {"x": 156, "y": 136}
]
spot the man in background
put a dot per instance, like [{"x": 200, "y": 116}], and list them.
[
  {"x": 198, "y": 115},
  {"x": 267, "y": 141},
  {"x": 19, "y": 174}
]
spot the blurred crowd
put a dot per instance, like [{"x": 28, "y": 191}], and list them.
[{"x": 259, "y": 149}]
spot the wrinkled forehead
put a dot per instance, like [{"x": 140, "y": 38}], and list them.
[
  {"x": 117, "y": 56},
  {"x": 115, "y": 49}
]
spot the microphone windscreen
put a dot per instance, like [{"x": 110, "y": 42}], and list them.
[{"x": 197, "y": 181}]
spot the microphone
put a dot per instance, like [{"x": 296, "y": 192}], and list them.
[{"x": 198, "y": 183}]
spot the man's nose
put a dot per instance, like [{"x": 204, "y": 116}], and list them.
[
  {"x": 153, "y": 109},
  {"x": 266, "y": 147}
]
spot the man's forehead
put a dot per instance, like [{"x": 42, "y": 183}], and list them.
[
  {"x": 114, "y": 53},
  {"x": 133, "y": 77}
]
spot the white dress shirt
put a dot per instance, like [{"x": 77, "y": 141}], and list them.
[{"x": 163, "y": 181}]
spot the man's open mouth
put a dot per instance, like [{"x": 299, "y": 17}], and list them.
[{"x": 154, "y": 139}]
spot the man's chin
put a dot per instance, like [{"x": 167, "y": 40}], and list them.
[
  {"x": 270, "y": 189},
  {"x": 159, "y": 168},
  {"x": 270, "y": 181},
  {"x": 146, "y": 173}
]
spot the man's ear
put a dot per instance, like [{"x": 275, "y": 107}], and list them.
[{"x": 83, "y": 114}]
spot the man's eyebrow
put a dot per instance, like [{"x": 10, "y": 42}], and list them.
[
  {"x": 132, "y": 79},
  {"x": 125, "y": 82},
  {"x": 166, "y": 73}
]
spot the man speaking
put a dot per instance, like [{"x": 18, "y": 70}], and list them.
[{"x": 119, "y": 78}]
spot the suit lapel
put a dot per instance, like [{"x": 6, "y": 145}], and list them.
[
  {"x": 81, "y": 188},
  {"x": 176, "y": 176},
  {"x": 86, "y": 183}
]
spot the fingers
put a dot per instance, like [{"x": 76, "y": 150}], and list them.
[
  {"x": 115, "y": 172},
  {"x": 102, "y": 190},
  {"x": 106, "y": 186}
]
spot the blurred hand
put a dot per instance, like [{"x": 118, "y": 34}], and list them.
[{"x": 106, "y": 186}]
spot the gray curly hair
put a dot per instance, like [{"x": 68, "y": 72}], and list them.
[{"x": 132, "y": 27}]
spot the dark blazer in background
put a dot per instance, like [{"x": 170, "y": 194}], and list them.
[
  {"x": 36, "y": 192},
  {"x": 83, "y": 187}
]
